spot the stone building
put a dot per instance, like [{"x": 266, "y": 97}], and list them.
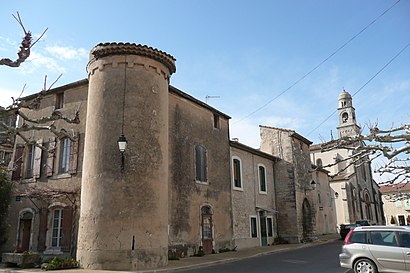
[
  {"x": 396, "y": 204},
  {"x": 353, "y": 184},
  {"x": 254, "y": 205},
  {"x": 294, "y": 186},
  {"x": 177, "y": 187},
  {"x": 169, "y": 193}
]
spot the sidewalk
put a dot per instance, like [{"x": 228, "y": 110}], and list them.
[{"x": 195, "y": 262}]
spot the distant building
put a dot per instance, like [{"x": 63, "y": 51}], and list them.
[
  {"x": 396, "y": 204},
  {"x": 356, "y": 193}
]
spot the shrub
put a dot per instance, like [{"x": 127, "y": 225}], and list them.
[{"x": 59, "y": 263}]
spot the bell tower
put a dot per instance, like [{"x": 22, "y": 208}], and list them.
[{"x": 347, "y": 117}]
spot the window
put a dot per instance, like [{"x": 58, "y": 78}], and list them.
[
  {"x": 254, "y": 228},
  {"x": 65, "y": 149},
  {"x": 217, "y": 123},
  {"x": 269, "y": 226},
  {"x": 384, "y": 238},
  {"x": 57, "y": 228},
  {"x": 358, "y": 237},
  {"x": 200, "y": 164},
  {"x": 59, "y": 101},
  {"x": 30, "y": 160},
  {"x": 262, "y": 179},
  {"x": 237, "y": 183}
]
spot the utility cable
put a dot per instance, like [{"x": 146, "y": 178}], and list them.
[
  {"x": 318, "y": 65},
  {"x": 361, "y": 88}
]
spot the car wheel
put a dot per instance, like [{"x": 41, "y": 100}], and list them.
[{"x": 364, "y": 266}]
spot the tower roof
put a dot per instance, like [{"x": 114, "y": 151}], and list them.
[
  {"x": 106, "y": 49},
  {"x": 344, "y": 95}
]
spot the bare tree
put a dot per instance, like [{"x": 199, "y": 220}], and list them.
[
  {"x": 16, "y": 111},
  {"x": 393, "y": 145}
]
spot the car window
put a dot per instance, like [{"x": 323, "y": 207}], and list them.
[
  {"x": 404, "y": 239},
  {"x": 358, "y": 237},
  {"x": 384, "y": 238}
]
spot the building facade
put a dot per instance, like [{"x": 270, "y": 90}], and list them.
[
  {"x": 396, "y": 204},
  {"x": 253, "y": 196},
  {"x": 179, "y": 188},
  {"x": 357, "y": 193}
]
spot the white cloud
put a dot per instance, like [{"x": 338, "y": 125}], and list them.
[
  {"x": 6, "y": 94},
  {"x": 38, "y": 60},
  {"x": 67, "y": 53}
]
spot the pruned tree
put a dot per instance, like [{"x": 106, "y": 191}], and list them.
[
  {"x": 393, "y": 145},
  {"x": 25, "y": 46},
  {"x": 16, "y": 110}
]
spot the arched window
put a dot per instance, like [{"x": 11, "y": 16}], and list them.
[
  {"x": 319, "y": 163},
  {"x": 262, "y": 178}
]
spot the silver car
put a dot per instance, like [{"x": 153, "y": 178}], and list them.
[{"x": 372, "y": 249}]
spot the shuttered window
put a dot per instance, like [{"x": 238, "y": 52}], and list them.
[
  {"x": 201, "y": 164},
  {"x": 65, "y": 148},
  {"x": 30, "y": 160},
  {"x": 237, "y": 181}
]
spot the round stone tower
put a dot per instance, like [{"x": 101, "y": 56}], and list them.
[{"x": 124, "y": 211}]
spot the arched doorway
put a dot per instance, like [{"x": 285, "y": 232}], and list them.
[
  {"x": 207, "y": 229},
  {"x": 307, "y": 220},
  {"x": 24, "y": 235}
]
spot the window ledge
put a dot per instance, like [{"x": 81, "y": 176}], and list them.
[
  {"x": 202, "y": 182},
  {"x": 53, "y": 251},
  {"x": 263, "y": 192},
  {"x": 63, "y": 176},
  {"x": 28, "y": 180},
  {"x": 237, "y": 189}
]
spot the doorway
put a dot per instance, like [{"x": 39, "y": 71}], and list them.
[
  {"x": 264, "y": 235},
  {"x": 25, "y": 230},
  {"x": 207, "y": 229}
]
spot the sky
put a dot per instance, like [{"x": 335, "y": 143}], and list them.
[{"x": 272, "y": 63}]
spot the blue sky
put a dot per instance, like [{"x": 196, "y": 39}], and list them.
[{"x": 244, "y": 52}]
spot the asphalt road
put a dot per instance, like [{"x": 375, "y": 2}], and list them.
[{"x": 316, "y": 259}]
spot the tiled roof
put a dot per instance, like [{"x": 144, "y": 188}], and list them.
[
  {"x": 107, "y": 49},
  {"x": 395, "y": 187}
]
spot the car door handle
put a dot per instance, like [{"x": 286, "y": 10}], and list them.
[{"x": 407, "y": 253}]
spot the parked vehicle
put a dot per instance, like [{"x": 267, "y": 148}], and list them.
[
  {"x": 363, "y": 222},
  {"x": 372, "y": 249},
  {"x": 345, "y": 229}
]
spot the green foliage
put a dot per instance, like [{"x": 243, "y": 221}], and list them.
[
  {"x": 60, "y": 263},
  {"x": 200, "y": 252},
  {"x": 5, "y": 198}
]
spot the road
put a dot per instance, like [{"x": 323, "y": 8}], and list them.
[{"x": 322, "y": 258}]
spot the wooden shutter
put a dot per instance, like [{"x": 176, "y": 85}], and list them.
[
  {"x": 37, "y": 159},
  {"x": 42, "y": 232},
  {"x": 72, "y": 169},
  {"x": 50, "y": 157},
  {"x": 18, "y": 161},
  {"x": 67, "y": 227}
]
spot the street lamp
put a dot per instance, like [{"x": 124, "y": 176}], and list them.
[{"x": 122, "y": 145}]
